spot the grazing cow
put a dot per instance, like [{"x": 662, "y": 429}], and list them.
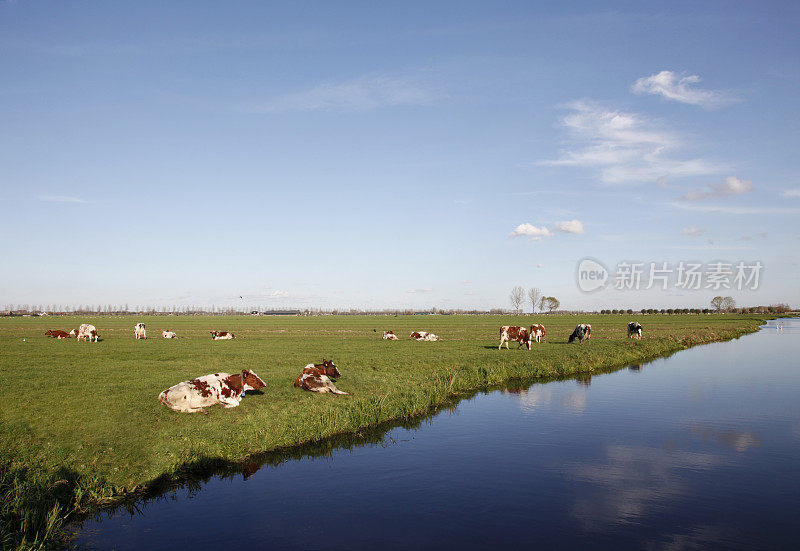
[
  {"x": 218, "y": 388},
  {"x": 88, "y": 332},
  {"x": 424, "y": 336},
  {"x": 57, "y": 334},
  {"x": 582, "y": 332},
  {"x": 537, "y": 332},
  {"x": 169, "y": 335},
  {"x": 634, "y": 330},
  {"x": 389, "y": 336},
  {"x": 316, "y": 378},
  {"x": 139, "y": 331},
  {"x": 514, "y": 333},
  {"x": 222, "y": 335}
]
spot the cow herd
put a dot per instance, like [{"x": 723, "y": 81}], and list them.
[{"x": 226, "y": 389}]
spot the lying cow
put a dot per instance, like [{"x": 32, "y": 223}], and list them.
[
  {"x": 88, "y": 332},
  {"x": 139, "y": 331},
  {"x": 537, "y": 332},
  {"x": 582, "y": 332},
  {"x": 317, "y": 378},
  {"x": 424, "y": 336},
  {"x": 634, "y": 330},
  {"x": 222, "y": 335},
  {"x": 57, "y": 334},
  {"x": 389, "y": 336},
  {"x": 169, "y": 335},
  {"x": 218, "y": 388},
  {"x": 514, "y": 333}
]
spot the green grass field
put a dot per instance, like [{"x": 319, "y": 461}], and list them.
[{"x": 80, "y": 423}]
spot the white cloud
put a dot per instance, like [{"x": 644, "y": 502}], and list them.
[
  {"x": 529, "y": 230},
  {"x": 732, "y": 210},
  {"x": 361, "y": 94},
  {"x": 420, "y": 290},
  {"x": 679, "y": 88},
  {"x": 570, "y": 226},
  {"x": 692, "y": 231},
  {"x": 710, "y": 247},
  {"x": 61, "y": 199},
  {"x": 277, "y": 293},
  {"x": 624, "y": 147},
  {"x": 731, "y": 186},
  {"x": 792, "y": 193}
]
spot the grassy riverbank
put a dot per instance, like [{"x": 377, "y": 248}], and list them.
[{"x": 81, "y": 425}]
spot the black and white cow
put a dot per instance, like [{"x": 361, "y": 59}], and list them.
[
  {"x": 634, "y": 330},
  {"x": 582, "y": 332}
]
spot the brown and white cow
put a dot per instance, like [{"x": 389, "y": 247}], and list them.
[
  {"x": 222, "y": 335},
  {"x": 169, "y": 335},
  {"x": 389, "y": 336},
  {"x": 73, "y": 333},
  {"x": 57, "y": 334},
  {"x": 139, "y": 331},
  {"x": 208, "y": 390},
  {"x": 317, "y": 378},
  {"x": 514, "y": 333},
  {"x": 537, "y": 332},
  {"x": 424, "y": 336},
  {"x": 87, "y": 331}
]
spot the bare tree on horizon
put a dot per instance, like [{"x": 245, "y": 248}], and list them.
[
  {"x": 516, "y": 297},
  {"x": 534, "y": 295}
]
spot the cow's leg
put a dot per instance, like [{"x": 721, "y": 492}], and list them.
[
  {"x": 501, "y": 343},
  {"x": 231, "y": 402}
]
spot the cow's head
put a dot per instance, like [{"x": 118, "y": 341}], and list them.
[
  {"x": 214, "y": 333},
  {"x": 329, "y": 368},
  {"x": 251, "y": 381},
  {"x": 49, "y": 332}
]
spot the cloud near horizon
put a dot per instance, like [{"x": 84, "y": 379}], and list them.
[
  {"x": 61, "y": 199},
  {"x": 420, "y": 290},
  {"x": 676, "y": 87},
  {"x": 529, "y": 230},
  {"x": 693, "y": 232},
  {"x": 570, "y": 226},
  {"x": 624, "y": 147},
  {"x": 536, "y": 234},
  {"x": 360, "y": 94},
  {"x": 730, "y": 186}
]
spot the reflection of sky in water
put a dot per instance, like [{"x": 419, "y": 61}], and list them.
[
  {"x": 698, "y": 450},
  {"x": 541, "y": 395},
  {"x": 628, "y": 482}
]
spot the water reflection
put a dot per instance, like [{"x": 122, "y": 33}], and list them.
[
  {"x": 738, "y": 439},
  {"x": 629, "y": 482}
]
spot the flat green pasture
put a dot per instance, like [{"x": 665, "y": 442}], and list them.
[{"x": 91, "y": 409}]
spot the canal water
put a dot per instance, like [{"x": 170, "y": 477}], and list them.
[{"x": 698, "y": 450}]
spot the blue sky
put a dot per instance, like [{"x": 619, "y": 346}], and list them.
[{"x": 413, "y": 154}]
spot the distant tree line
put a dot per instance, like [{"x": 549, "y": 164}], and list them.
[{"x": 772, "y": 309}]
